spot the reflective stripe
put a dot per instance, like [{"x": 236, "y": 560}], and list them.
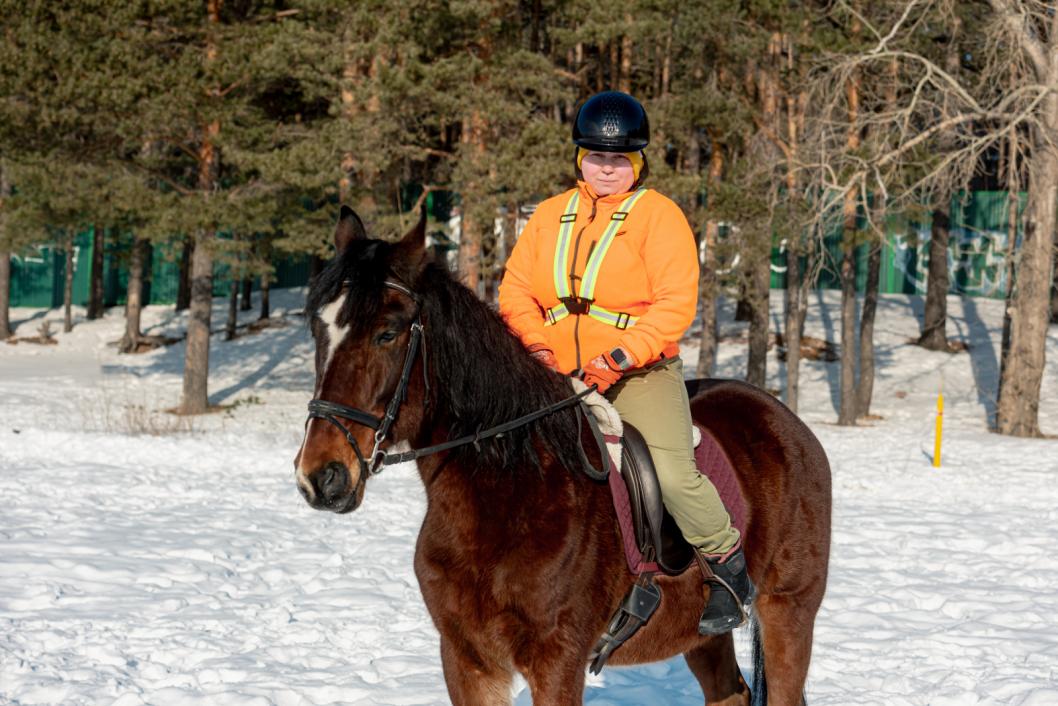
[
  {"x": 591, "y": 270},
  {"x": 555, "y": 314},
  {"x": 562, "y": 249},
  {"x": 614, "y": 318}
]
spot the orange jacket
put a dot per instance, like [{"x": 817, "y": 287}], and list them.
[{"x": 650, "y": 271}]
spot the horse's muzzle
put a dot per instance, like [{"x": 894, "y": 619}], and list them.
[{"x": 331, "y": 489}]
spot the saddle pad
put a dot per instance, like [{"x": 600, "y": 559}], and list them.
[{"x": 710, "y": 460}]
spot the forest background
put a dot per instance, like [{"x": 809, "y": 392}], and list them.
[{"x": 229, "y": 130}]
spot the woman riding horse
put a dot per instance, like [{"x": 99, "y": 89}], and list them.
[
  {"x": 602, "y": 283},
  {"x": 519, "y": 555}
]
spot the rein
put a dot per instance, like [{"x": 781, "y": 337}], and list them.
[{"x": 333, "y": 411}]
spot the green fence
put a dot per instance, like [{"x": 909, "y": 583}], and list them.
[
  {"x": 976, "y": 261},
  {"x": 976, "y": 251},
  {"x": 37, "y": 275}
]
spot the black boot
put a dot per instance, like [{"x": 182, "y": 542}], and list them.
[{"x": 730, "y": 594}]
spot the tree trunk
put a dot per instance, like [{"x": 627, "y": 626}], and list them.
[
  {"x": 1013, "y": 204},
  {"x": 95, "y": 287},
  {"x": 1019, "y": 401},
  {"x": 134, "y": 299},
  {"x": 708, "y": 294},
  {"x": 792, "y": 295},
  {"x": 625, "y": 84},
  {"x": 756, "y": 366},
  {"x": 934, "y": 325},
  {"x": 708, "y": 290},
  {"x": 195, "y": 398},
  {"x": 5, "y": 262},
  {"x": 183, "y": 286},
  {"x": 266, "y": 285},
  {"x": 470, "y": 232},
  {"x": 808, "y": 279},
  {"x": 760, "y": 273},
  {"x": 865, "y": 385},
  {"x": 247, "y": 295},
  {"x": 847, "y": 410},
  {"x": 744, "y": 305},
  {"x": 351, "y": 76},
  {"x": 666, "y": 63},
  {"x": 232, "y": 324},
  {"x": 1054, "y": 285},
  {"x": 934, "y": 335},
  {"x": 67, "y": 285},
  {"x": 792, "y": 322},
  {"x": 5, "y": 295}
]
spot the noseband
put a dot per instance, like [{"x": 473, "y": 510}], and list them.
[{"x": 332, "y": 412}]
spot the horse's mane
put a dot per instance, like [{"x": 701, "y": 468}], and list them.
[{"x": 481, "y": 375}]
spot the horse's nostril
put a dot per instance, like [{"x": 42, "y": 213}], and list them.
[{"x": 332, "y": 481}]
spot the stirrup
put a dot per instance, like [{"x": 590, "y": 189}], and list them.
[{"x": 733, "y": 610}]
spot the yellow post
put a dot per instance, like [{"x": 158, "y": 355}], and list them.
[{"x": 940, "y": 426}]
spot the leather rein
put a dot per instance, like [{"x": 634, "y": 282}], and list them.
[{"x": 332, "y": 412}]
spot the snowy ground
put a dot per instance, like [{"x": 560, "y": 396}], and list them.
[{"x": 148, "y": 560}]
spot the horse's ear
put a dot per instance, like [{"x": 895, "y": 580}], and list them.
[
  {"x": 415, "y": 239},
  {"x": 411, "y": 250},
  {"x": 349, "y": 228}
]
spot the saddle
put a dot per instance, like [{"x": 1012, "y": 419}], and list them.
[
  {"x": 657, "y": 540},
  {"x": 652, "y": 541}
]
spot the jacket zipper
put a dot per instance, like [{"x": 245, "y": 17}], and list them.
[{"x": 573, "y": 277}]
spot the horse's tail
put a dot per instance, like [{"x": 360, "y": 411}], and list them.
[{"x": 759, "y": 694}]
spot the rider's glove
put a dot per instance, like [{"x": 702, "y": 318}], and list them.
[{"x": 606, "y": 369}]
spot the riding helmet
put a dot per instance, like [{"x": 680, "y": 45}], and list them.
[{"x": 611, "y": 121}]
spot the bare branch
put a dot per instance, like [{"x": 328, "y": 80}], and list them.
[{"x": 1018, "y": 24}]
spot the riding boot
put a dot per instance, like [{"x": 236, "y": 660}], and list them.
[{"x": 730, "y": 595}]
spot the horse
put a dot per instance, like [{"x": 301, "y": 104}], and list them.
[{"x": 519, "y": 558}]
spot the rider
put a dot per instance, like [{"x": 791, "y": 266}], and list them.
[{"x": 602, "y": 283}]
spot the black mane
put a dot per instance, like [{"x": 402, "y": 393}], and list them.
[{"x": 481, "y": 375}]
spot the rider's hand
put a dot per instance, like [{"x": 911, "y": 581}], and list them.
[
  {"x": 603, "y": 371},
  {"x": 544, "y": 354}
]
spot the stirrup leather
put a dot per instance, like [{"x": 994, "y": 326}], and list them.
[{"x": 635, "y": 610}]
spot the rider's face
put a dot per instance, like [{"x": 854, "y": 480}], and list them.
[{"x": 607, "y": 172}]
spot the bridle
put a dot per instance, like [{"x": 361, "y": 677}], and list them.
[{"x": 332, "y": 411}]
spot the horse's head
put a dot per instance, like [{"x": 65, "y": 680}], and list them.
[{"x": 364, "y": 315}]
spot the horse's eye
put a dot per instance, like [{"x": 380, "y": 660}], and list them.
[{"x": 386, "y": 337}]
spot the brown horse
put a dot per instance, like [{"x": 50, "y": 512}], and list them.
[{"x": 519, "y": 557}]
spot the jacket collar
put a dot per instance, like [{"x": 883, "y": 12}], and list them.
[{"x": 586, "y": 192}]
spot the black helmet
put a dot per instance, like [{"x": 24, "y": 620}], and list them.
[{"x": 611, "y": 121}]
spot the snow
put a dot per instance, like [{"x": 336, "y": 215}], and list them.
[{"x": 146, "y": 559}]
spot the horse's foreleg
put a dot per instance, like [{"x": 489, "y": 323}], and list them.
[
  {"x": 786, "y": 623},
  {"x": 713, "y": 663},
  {"x": 556, "y": 679},
  {"x": 471, "y": 681}
]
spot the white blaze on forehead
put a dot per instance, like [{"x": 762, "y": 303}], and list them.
[{"x": 335, "y": 333}]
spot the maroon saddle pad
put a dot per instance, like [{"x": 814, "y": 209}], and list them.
[{"x": 711, "y": 460}]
